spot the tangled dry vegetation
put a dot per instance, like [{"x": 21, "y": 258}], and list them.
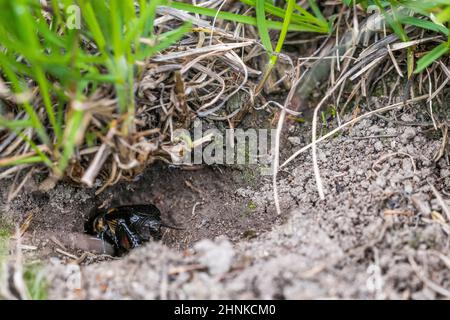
[{"x": 195, "y": 77}]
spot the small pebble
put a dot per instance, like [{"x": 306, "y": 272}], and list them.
[
  {"x": 408, "y": 135},
  {"x": 378, "y": 146},
  {"x": 295, "y": 141},
  {"x": 216, "y": 255}
]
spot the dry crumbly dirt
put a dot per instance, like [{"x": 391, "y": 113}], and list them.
[{"x": 374, "y": 236}]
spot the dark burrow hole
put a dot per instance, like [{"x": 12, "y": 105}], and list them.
[
  {"x": 207, "y": 202},
  {"x": 204, "y": 201}
]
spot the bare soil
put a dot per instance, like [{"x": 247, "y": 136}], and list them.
[{"x": 378, "y": 233}]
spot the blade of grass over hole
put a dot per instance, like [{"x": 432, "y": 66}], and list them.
[
  {"x": 280, "y": 43},
  {"x": 431, "y": 57}
]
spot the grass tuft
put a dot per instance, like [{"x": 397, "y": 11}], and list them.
[
  {"x": 427, "y": 15},
  {"x": 59, "y": 68}
]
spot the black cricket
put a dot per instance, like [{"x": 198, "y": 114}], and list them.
[{"x": 127, "y": 227}]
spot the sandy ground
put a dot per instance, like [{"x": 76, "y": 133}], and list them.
[{"x": 380, "y": 232}]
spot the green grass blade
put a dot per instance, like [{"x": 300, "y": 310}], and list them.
[
  {"x": 20, "y": 161},
  {"x": 280, "y": 43},
  {"x": 285, "y": 28},
  {"x": 116, "y": 23},
  {"x": 315, "y": 8},
  {"x": 274, "y": 25},
  {"x": 304, "y": 19},
  {"x": 15, "y": 124},
  {"x": 44, "y": 88},
  {"x": 17, "y": 88},
  {"x": 424, "y": 24},
  {"x": 431, "y": 57},
  {"x": 261, "y": 22},
  {"x": 94, "y": 27}
]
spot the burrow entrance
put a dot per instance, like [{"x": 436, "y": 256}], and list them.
[{"x": 206, "y": 201}]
